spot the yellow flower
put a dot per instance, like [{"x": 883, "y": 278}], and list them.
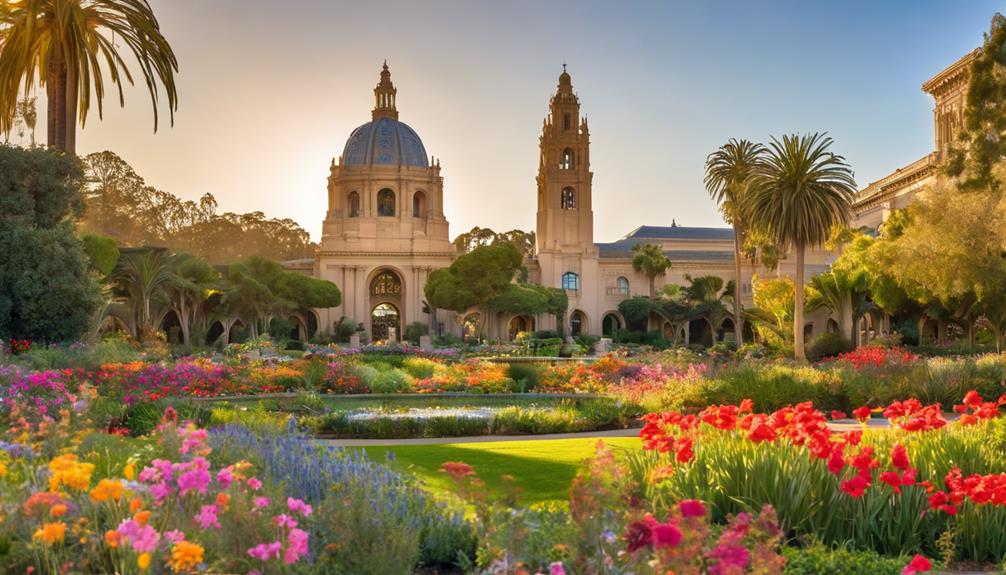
[
  {"x": 185, "y": 556},
  {"x": 143, "y": 561},
  {"x": 67, "y": 470},
  {"x": 3, "y": 469},
  {"x": 51, "y": 533},
  {"x": 108, "y": 489},
  {"x": 129, "y": 471}
]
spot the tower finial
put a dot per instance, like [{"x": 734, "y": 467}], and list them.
[
  {"x": 563, "y": 66},
  {"x": 384, "y": 96}
]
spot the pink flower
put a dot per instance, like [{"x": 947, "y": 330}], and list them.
[
  {"x": 225, "y": 477},
  {"x": 266, "y": 551},
  {"x": 207, "y": 517},
  {"x": 160, "y": 491},
  {"x": 296, "y": 546},
  {"x": 261, "y": 502},
  {"x": 255, "y": 484},
  {"x": 143, "y": 538},
  {"x": 692, "y": 508},
  {"x": 556, "y": 569},
  {"x": 197, "y": 478},
  {"x": 298, "y": 506},
  {"x": 730, "y": 559},
  {"x": 284, "y": 521}
]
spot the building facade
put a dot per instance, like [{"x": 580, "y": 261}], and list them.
[{"x": 385, "y": 230}]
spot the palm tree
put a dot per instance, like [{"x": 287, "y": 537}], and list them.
[
  {"x": 193, "y": 280},
  {"x": 709, "y": 296},
  {"x": 650, "y": 260},
  {"x": 844, "y": 293},
  {"x": 143, "y": 276},
  {"x": 729, "y": 173},
  {"x": 65, "y": 44},
  {"x": 799, "y": 193}
]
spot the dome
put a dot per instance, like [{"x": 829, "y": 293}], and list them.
[{"x": 385, "y": 142}]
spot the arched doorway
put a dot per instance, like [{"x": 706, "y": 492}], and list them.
[
  {"x": 610, "y": 325},
  {"x": 384, "y": 321},
  {"x": 238, "y": 332},
  {"x": 519, "y": 324},
  {"x": 832, "y": 326},
  {"x": 386, "y": 296},
  {"x": 699, "y": 332},
  {"x": 215, "y": 332},
  {"x": 577, "y": 323},
  {"x": 171, "y": 327},
  {"x": 668, "y": 330},
  {"x": 113, "y": 324},
  {"x": 726, "y": 331}
]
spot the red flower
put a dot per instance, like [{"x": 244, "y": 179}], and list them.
[
  {"x": 856, "y": 486},
  {"x": 762, "y": 432},
  {"x": 685, "y": 451},
  {"x": 838, "y": 414},
  {"x": 639, "y": 534},
  {"x": 835, "y": 461},
  {"x": 899, "y": 457},
  {"x": 861, "y": 413},
  {"x": 918, "y": 564},
  {"x": 666, "y": 535}
]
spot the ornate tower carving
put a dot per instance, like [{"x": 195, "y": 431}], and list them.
[{"x": 565, "y": 212}]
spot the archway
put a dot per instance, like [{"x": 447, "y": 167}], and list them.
[
  {"x": 172, "y": 327},
  {"x": 215, "y": 332},
  {"x": 668, "y": 330},
  {"x": 610, "y": 324},
  {"x": 519, "y": 324},
  {"x": 238, "y": 332},
  {"x": 113, "y": 324},
  {"x": 726, "y": 331},
  {"x": 419, "y": 205},
  {"x": 312, "y": 324},
  {"x": 700, "y": 332},
  {"x": 832, "y": 326},
  {"x": 470, "y": 326},
  {"x": 384, "y": 321},
  {"x": 577, "y": 323}
]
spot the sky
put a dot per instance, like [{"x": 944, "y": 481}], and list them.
[{"x": 269, "y": 91}]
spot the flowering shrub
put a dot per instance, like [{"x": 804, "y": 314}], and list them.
[
  {"x": 37, "y": 393},
  {"x": 19, "y": 346},
  {"x": 871, "y": 356}
]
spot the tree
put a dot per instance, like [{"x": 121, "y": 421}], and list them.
[
  {"x": 799, "y": 193},
  {"x": 980, "y": 144},
  {"x": 142, "y": 277},
  {"x": 47, "y": 292},
  {"x": 651, "y": 261},
  {"x": 843, "y": 292},
  {"x": 192, "y": 281},
  {"x": 772, "y": 314},
  {"x": 474, "y": 279},
  {"x": 64, "y": 44},
  {"x": 478, "y": 237},
  {"x": 709, "y": 296},
  {"x": 729, "y": 174}
]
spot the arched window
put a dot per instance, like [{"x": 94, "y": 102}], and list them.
[
  {"x": 419, "y": 205},
  {"x": 570, "y": 281},
  {"x": 566, "y": 162},
  {"x": 354, "y": 204},
  {"x": 386, "y": 202},
  {"x": 568, "y": 199},
  {"x": 623, "y": 286}
]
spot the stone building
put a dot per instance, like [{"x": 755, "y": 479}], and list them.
[{"x": 385, "y": 229}]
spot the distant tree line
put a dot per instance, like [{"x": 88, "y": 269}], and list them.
[{"x": 119, "y": 204}]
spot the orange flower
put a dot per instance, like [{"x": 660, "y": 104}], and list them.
[
  {"x": 112, "y": 538},
  {"x": 58, "y": 510},
  {"x": 143, "y": 561},
  {"x": 108, "y": 489},
  {"x": 135, "y": 504},
  {"x": 223, "y": 500},
  {"x": 185, "y": 555},
  {"x": 51, "y": 533},
  {"x": 142, "y": 517}
]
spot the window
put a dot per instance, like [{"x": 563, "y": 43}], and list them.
[
  {"x": 570, "y": 281},
  {"x": 386, "y": 202},
  {"x": 419, "y": 205},
  {"x": 566, "y": 162},
  {"x": 354, "y": 205},
  {"x": 385, "y": 284},
  {"x": 623, "y": 286},
  {"x": 568, "y": 200},
  {"x": 565, "y": 121}
]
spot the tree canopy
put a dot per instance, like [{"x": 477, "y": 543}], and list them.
[{"x": 474, "y": 279}]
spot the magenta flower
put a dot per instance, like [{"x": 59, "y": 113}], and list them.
[
  {"x": 143, "y": 538},
  {"x": 284, "y": 520},
  {"x": 255, "y": 484},
  {"x": 692, "y": 508},
  {"x": 296, "y": 546},
  {"x": 261, "y": 502},
  {"x": 556, "y": 568},
  {"x": 666, "y": 535},
  {"x": 225, "y": 477},
  {"x": 298, "y": 506},
  {"x": 174, "y": 536},
  {"x": 160, "y": 492},
  {"x": 266, "y": 551},
  {"x": 730, "y": 559},
  {"x": 207, "y": 517}
]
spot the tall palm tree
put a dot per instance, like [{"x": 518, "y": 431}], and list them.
[
  {"x": 71, "y": 45},
  {"x": 143, "y": 276},
  {"x": 844, "y": 293},
  {"x": 799, "y": 193},
  {"x": 729, "y": 173},
  {"x": 651, "y": 261}
]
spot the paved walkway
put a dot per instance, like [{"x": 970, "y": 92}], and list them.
[{"x": 839, "y": 425}]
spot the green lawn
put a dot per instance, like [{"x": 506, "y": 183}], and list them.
[{"x": 543, "y": 469}]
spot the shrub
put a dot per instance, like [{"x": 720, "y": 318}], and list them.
[
  {"x": 296, "y": 345},
  {"x": 768, "y": 386},
  {"x": 827, "y": 345},
  {"x": 818, "y": 559},
  {"x": 366, "y": 374},
  {"x": 415, "y": 330},
  {"x": 391, "y": 381},
  {"x": 419, "y": 367},
  {"x": 525, "y": 375}
]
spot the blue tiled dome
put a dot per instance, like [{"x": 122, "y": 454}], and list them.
[{"x": 385, "y": 142}]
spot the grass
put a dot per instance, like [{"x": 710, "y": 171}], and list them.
[{"x": 543, "y": 469}]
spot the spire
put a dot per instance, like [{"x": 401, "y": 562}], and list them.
[{"x": 384, "y": 96}]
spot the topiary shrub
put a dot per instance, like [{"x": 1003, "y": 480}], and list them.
[{"x": 827, "y": 345}]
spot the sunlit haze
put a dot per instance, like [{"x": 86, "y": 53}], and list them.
[{"x": 269, "y": 92}]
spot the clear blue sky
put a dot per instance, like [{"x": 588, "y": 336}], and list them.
[{"x": 269, "y": 92}]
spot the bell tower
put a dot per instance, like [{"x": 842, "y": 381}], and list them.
[{"x": 565, "y": 212}]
